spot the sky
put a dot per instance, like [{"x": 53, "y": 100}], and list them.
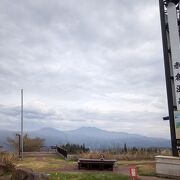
[{"x": 95, "y": 63}]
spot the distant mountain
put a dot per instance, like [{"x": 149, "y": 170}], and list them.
[
  {"x": 96, "y": 138},
  {"x": 92, "y": 137},
  {"x": 52, "y": 136}
]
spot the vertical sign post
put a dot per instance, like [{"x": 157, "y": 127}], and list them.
[
  {"x": 175, "y": 48},
  {"x": 171, "y": 50},
  {"x": 22, "y": 123}
]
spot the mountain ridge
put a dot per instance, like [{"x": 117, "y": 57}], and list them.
[{"x": 94, "y": 138}]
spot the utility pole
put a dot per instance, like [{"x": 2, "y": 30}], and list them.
[{"x": 22, "y": 123}]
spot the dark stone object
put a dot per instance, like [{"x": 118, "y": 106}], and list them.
[
  {"x": 96, "y": 164},
  {"x": 27, "y": 174}
]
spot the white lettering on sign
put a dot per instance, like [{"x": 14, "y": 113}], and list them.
[{"x": 133, "y": 172}]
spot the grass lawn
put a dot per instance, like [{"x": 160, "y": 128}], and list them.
[
  {"x": 87, "y": 176},
  {"x": 45, "y": 164}
]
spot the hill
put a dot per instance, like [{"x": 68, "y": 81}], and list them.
[
  {"x": 92, "y": 137},
  {"x": 98, "y": 139}
]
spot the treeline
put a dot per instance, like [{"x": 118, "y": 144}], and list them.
[
  {"x": 75, "y": 148},
  {"x": 126, "y": 149},
  {"x": 37, "y": 144},
  {"x": 134, "y": 150}
]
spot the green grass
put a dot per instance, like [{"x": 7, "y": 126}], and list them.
[{"x": 87, "y": 176}]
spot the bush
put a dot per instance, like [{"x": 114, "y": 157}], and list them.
[
  {"x": 75, "y": 148},
  {"x": 7, "y": 160},
  {"x": 92, "y": 155},
  {"x": 29, "y": 144},
  {"x": 120, "y": 154}
]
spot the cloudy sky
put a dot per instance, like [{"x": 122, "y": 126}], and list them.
[{"x": 83, "y": 63}]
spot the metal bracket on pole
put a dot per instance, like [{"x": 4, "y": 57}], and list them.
[{"x": 166, "y": 118}]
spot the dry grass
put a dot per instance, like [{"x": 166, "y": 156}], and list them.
[
  {"x": 127, "y": 156},
  {"x": 146, "y": 170},
  {"x": 145, "y": 167},
  {"x": 44, "y": 164},
  {"x": 96, "y": 155},
  {"x": 138, "y": 155},
  {"x": 57, "y": 164},
  {"x": 135, "y": 163},
  {"x": 8, "y": 161}
]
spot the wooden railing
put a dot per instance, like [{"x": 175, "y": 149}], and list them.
[{"x": 61, "y": 151}]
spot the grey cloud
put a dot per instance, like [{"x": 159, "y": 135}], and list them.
[
  {"x": 67, "y": 119},
  {"x": 81, "y": 59}
]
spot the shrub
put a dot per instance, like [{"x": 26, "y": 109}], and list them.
[
  {"x": 129, "y": 154},
  {"x": 75, "y": 148},
  {"x": 29, "y": 144},
  {"x": 7, "y": 160},
  {"x": 93, "y": 155}
]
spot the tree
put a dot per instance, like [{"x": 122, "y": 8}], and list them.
[
  {"x": 29, "y": 144},
  {"x": 75, "y": 148},
  {"x": 125, "y": 148}
]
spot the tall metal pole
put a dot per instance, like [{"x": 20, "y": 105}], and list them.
[{"x": 22, "y": 123}]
